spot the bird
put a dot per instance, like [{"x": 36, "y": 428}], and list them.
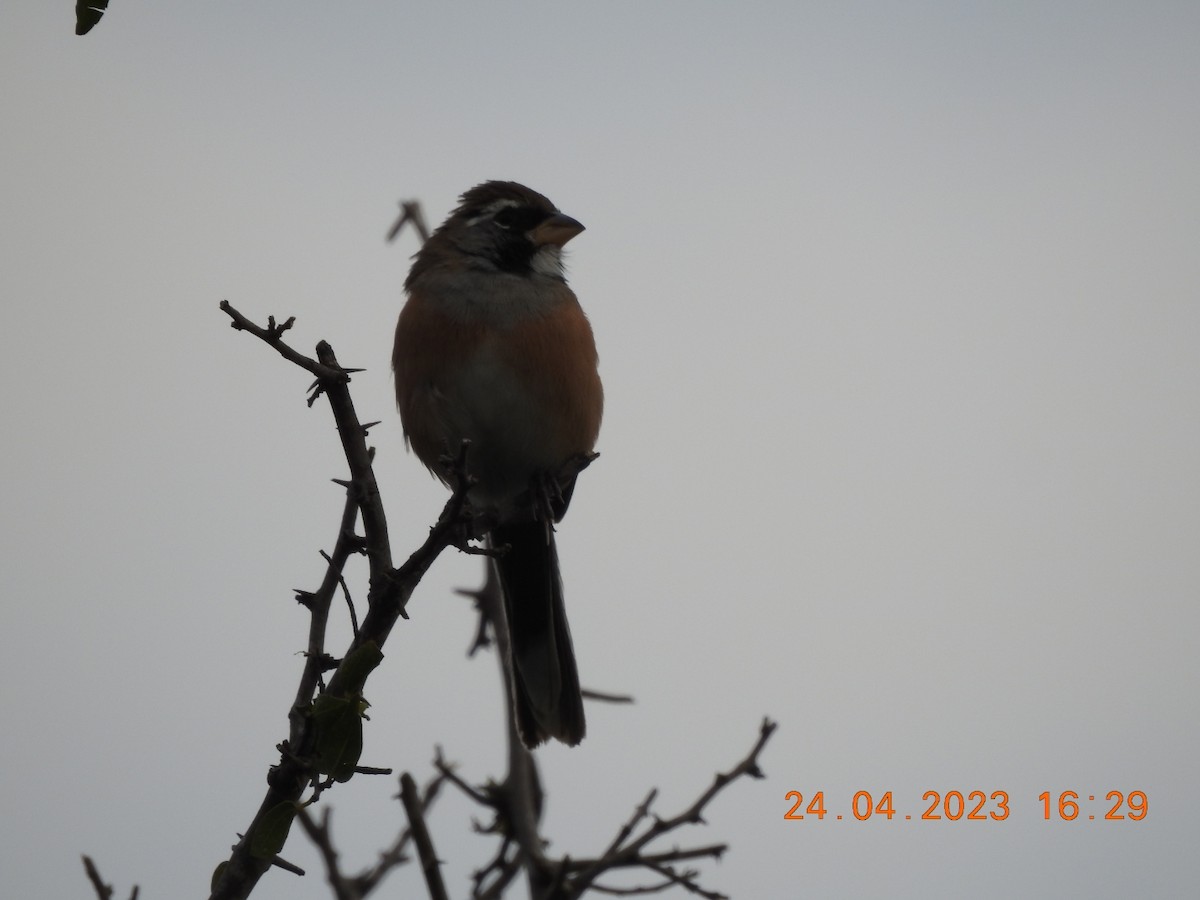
[{"x": 493, "y": 347}]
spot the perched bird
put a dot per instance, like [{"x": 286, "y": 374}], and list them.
[{"x": 493, "y": 347}]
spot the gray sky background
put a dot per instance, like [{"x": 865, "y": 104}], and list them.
[{"x": 898, "y": 318}]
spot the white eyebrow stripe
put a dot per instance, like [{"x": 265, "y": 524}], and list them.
[{"x": 491, "y": 209}]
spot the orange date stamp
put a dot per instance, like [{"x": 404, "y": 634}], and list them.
[{"x": 971, "y": 806}]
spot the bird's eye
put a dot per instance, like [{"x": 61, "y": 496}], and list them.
[{"x": 506, "y": 217}]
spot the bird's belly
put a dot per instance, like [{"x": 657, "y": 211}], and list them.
[{"x": 514, "y": 432}]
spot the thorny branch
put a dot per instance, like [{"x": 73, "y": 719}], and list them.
[
  {"x": 516, "y": 802},
  {"x": 430, "y": 865},
  {"x": 566, "y": 878},
  {"x": 410, "y": 213},
  {"x": 103, "y": 891},
  {"x": 357, "y": 887},
  {"x": 389, "y": 591}
]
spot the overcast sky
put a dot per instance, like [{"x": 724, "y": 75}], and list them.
[{"x": 898, "y": 315}]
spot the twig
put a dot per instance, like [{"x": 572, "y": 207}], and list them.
[
  {"x": 410, "y": 213},
  {"x": 447, "y": 772},
  {"x": 395, "y": 855},
  {"x": 692, "y": 815},
  {"x": 272, "y": 335},
  {"x": 345, "y": 593},
  {"x": 639, "y": 813},
  {"x": 505, "y": 865},
  {"x": 430, "y": 865},
  {"x": 627, "y": 851},
  {"x": 103, "y": 891},
  {"x": 687, "y": 881},
  {"x": 635, "y": 891},
  {"x": 606, "y": 698},
  {"x": 356, "y": 887},
  {"x": 516, "y": 802},
  {"x": 387, "y": 596},
  {"x": 322, "y": 836},
  {"x": 318, "y": 603}
]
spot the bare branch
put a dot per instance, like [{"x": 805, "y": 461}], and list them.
[
  {"x": 410, "y": 214},
  {"x": 103, "y": 891},
  {"x": 687, "y": 881},
  {"x": 693, "y": 814},
  {"x": 635, "y": 891},
  {"x": 395, "y": 855},
  {"x": 516, "y": 803},
  {"x": 273, "y": 336},
  {"x": 447, "y": 771},
  {"x": 606, "y": 698},
  {"x": 627, "y": 851},
  {"x": 357, "y": 887},
  {"x": 639, "y": 813},
  {"x": 387, "y": 596},
  {"x": 430, "y": 864},
  {"x": 322, "y": 836}
]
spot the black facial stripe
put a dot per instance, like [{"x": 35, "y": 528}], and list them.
[
  {"x": 519, "y": 218},
  {"x": 513, "y": 253}
]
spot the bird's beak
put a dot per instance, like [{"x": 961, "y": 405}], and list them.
[{"x": 556, "y": 230}]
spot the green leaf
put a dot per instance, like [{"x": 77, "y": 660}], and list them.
[
  {"x": 339, "y": 735},
  {"x": 270, "y": 834},
  {"x": 352, "y": 674}
]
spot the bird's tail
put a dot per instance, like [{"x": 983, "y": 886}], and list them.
[{"x": 546, "y": 696}]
